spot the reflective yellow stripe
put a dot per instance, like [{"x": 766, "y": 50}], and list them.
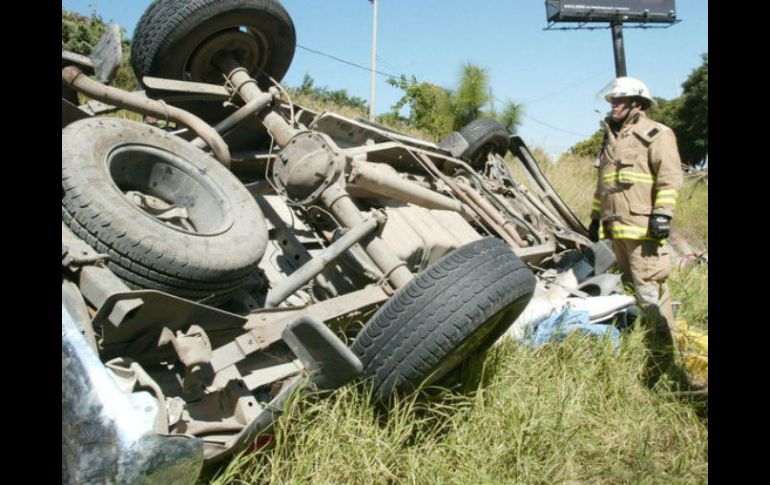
[
  {"x": 666, "y": 196},
  {"x": 596, "y": 205},
  {"x": 621, "y": 228},
  {"x": 620, "y": 231},
  {"x": 641, "y": 177},
  {"x": 629, "y": 176},
  {"x": 665, "y": 201}
]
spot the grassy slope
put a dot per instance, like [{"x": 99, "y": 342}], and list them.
[{"x": 569, "y": 413}]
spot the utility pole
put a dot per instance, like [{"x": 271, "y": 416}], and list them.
[
  {"x": 618, "y": 49},
  {"x": 372, "y": 97},
  {"x": 491, "y": 101}
]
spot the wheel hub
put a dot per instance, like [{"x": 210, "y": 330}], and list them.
[
  {"x": 167, "y": 189},
  {"x": 171, "y": 214},
  {"x": 244, "y": 47}
]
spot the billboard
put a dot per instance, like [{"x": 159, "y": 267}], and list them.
[{"x": 660, "y": 11}]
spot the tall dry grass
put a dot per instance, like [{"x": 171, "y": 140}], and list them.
[
  {"x": 569, "y": 413},
  {"x": 692, "y": 212},
  {"x": 574, "y": 178}
]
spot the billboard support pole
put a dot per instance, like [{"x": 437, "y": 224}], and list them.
[{"x": 618, "y": 49}]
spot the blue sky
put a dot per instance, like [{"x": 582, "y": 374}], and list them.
[{"x": 555, "y": 74}]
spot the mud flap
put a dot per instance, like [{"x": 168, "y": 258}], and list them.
[
  {"x": 601, "y": 256},
  {"x": 330, "y": 361}
]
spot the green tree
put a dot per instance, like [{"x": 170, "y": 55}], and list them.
[
  {"x": 80, "y": 34},
  {"x": 687, "y": 115},
  {"x": 439, "y": 110},
  {"x": 470, "y": 96},
  {"x": 511, "y": 115},
  {"x": 590, "y": 147},
  {"x": 339, "y": 97},
  {"x": 430, "y": 107},
  {"x": 307, "y": 87}
]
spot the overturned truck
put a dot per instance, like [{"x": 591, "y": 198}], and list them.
[{"x": 234, "y": 247}]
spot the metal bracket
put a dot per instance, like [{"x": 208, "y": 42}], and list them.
[
  {"x": 328, "y": 359},
  {"x": 159, "y": 84},
  {"x": 193, "y": 347},
  {"x": 94, "y": 107},
  {"x": 75, "y": 253},
  {"x": 156, "y": 311},
  {"x": 194, "y": 350}
]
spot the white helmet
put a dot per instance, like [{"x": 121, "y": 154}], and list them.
[{"x": 626, "y": 87}]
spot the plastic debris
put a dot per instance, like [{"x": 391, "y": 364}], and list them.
[{"x": 557, "y": 327}]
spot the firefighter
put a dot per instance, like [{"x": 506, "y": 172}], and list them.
[{"x": 639, "y": 178}]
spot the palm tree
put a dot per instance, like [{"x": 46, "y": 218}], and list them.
[
  {"x": 439, "y": 110},
  {"x": 471, "y": 96}
]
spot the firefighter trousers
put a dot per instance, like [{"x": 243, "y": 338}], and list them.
[{"x": 646, "y": 265}]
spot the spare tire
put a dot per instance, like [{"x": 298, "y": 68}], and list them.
[
  {"x": 456, "y": 307},
  {"x": 476, "y": 140},
  {"x": 168, "y": 215},
  {"x": 179, "y": 39}
]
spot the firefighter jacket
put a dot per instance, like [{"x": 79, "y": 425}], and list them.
[{"x": 640, "y": 174}]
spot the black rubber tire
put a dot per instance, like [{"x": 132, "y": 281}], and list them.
[
  {"x": 483, "y": 136},
  {"x": 454, "y": 143},
  {"x": 455, "y": 308},
  {"x": 170, "y": 31},
  {"x": 102, "y": 157}
]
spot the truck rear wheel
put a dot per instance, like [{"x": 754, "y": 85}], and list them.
[
  {"x": 181, "y": 39},
  {"x": 476, "y": 140},
  {"x": 457, "y": 307},
  {"x": 168, "y": 215}
]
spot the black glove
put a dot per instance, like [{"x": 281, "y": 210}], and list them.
[
  {"x": 660, "y": 226},
  {"x": 593, "y": 230}
]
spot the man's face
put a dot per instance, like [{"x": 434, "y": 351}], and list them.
[{"x": 620, "y": 108}]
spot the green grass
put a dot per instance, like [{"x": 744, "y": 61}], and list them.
[
  {"x": 569, "y": 413},
  {"x": 692, "y": 212},
  {"x": 574, "y": 179},
  {"x": 690, "y": 287}
]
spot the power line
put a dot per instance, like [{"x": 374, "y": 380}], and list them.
[
  {"x": 568, "y": 87},
  {"x": 387, "y": 63},
  {"x": 544, "y": 123},
  {"x": 557, "y": 129},
  {"x": 392, "y": 76},
  {"x": 368, "y": 69}
]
